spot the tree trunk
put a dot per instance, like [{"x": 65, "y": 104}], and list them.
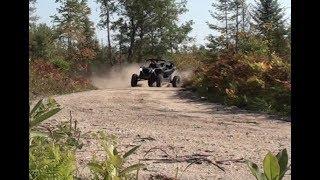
[
  {"x": 69, "y": 49},
  {"x": 132, "y": 40},
  {"x": 243, "y": 16},
  {"x": 237, "y": 26},
  {"x": 108, "y": 33},
  {"x": 141, "y": 46},
  {"x": 120, "y": 47},
  {"x": 226, "y": 27}
]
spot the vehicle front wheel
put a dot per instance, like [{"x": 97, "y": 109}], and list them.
[
  {"x": 159, "y": 80},
  {"x": 176, "y": 81},
  {"x": 134, "y": 80}
]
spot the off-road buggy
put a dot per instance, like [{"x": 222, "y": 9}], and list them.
[{"x": 157, "y": 72}]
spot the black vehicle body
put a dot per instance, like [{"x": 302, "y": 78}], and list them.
[{"x": 157, "y": 72}]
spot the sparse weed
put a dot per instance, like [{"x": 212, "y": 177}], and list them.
[
  {"x": 274, "y": 167},
  {"x": 112, "y": 167}
]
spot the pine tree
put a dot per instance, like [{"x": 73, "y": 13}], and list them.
[
  {"x": 32, "y": 9},
  {"x": 89, "y": 45},
  {"x": 245, "y": 16},
  {"x": 121, "y": 37},
  {"x": 108, "y": 8},
  {"x": 236, "y": 6},
  {"x": 42, "y": 42},
  {"x": 76, "y": 32},
  {"x": 269, "y": 22},
  {"x": 72, "y": 23},
  {"x": 239, "y": 20},
  {"x": 222, "y": 14}
]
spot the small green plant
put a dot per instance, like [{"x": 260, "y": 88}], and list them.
[
  {"x": 274, "y": 167},
  {"x": 112, "y": 167},
  {"x": 67, "y": 134},
  {"x": 47, "y": 159},
  {"x": 41, "y": 112}
]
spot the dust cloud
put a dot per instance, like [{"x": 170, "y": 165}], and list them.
[
  {"x": 184, "y": 74},
  {"x": 115, "y": 77}
]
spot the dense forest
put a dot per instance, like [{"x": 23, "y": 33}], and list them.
[{"x": 245, "y": 63}]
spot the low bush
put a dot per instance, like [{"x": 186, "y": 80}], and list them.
[
  {"x": 46, "y": 79},
  {"x": 61, "y": 64},
  {"x": 248, "y": 81}
]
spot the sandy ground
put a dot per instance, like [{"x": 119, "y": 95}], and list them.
[{"x": 185, "y": 128}]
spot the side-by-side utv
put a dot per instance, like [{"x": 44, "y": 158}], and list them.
[{"x": 157, "y": 72}]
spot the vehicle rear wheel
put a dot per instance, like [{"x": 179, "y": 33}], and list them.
[
  {"x": 134, "y": 80},
  {"x": 176, "y": 81},
  {"x": 159, "y": 80},
  {"x": 150, "y": 82}
]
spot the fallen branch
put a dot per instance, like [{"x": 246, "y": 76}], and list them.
[{"x": 240, "y": 160}]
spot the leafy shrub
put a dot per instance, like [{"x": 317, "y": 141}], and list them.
[
  {"x": 112, "y": 167},
  {"x": 61, "y": 64},
  {"x": 279, "y": 70},
  {"x": 186, "y": 61},
  {"x": 250, "y": 81},
  {"x": 254, "y": 84},
  {"x": 67, "y": 135},
  {"x": 48, "y": 160},
  {"x": 280, "y": 99},
  {"x": 40, "y": 112},
  {"x": 259, "y": 104},
  {"x": 252, "y": 44},
  {"x": 274, "y": 167},
  {"x": 45, "y": 79}
]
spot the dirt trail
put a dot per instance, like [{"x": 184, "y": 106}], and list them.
[{"x": 187, "y": 129}]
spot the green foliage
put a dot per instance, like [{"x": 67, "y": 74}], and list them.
[
  {"x": 150, "y": 28},
  {"x": 70, "y": 45},
  {"x": 62, "y": 64},
  {"x": 274, "y": 167},
  {"x": 269, "y": 21},
  {"x": 251, "y": 44},
  {"x": 112, "y": 167},
  {"x": 42, "y": 42},
  {"x": 50, "y": 161},
  {"x": 255, "y": 84},
  {"x": 249, "y": 81},
  {"x": 75, "y": 36},
  {"x": 67, "y": 135},
  {"x": 42, "y": 111},
  {"x": 47, "y": 160},
  {"x": 221, "y": 8}
]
